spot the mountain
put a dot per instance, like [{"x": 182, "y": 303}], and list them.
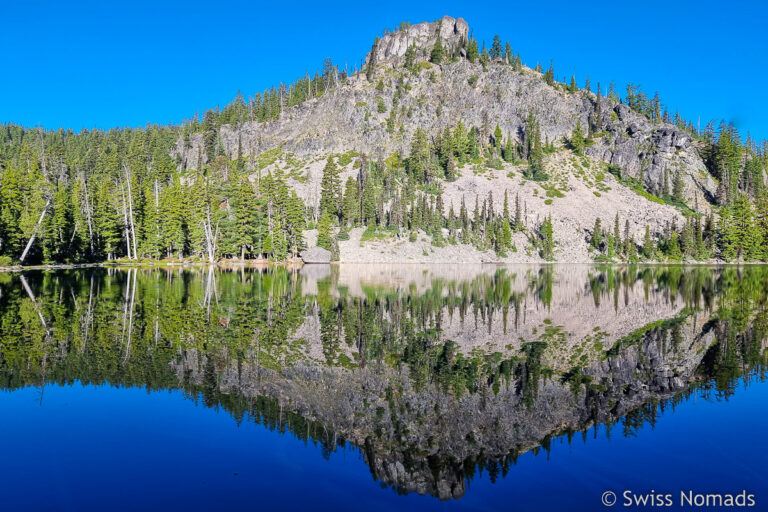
[
  {"x": 544, "y": 170},
  {"x": 441, "y": 95}
]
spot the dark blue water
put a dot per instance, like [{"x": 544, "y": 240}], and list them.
[
  {"x": 452, "y": 391},
  {"x": 83, "y": 448}
]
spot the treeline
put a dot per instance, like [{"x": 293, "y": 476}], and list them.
[
  {"x": 262, "y": 106},
  {"x": 94, "y": 196},
  {"x": 739, "y": 233}
]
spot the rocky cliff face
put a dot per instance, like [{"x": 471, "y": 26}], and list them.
[
  {"x": 346, "y": 118},
  {"x": 389, "y": 51}
]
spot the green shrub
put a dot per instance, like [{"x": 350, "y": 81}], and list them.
[{"x": 5, "y": 261}]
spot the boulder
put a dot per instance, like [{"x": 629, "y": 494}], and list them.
[{"x": 316, "y": 255}]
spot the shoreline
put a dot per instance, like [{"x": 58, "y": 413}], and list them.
[{"x": 263, "y": 264}]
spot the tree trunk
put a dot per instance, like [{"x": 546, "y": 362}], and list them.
[
  {"x": 88, "y": 215},
  {"x": 34, "y": 232},
  {"x": 130, "y": 210},
  {"x": 125, "y": 220}
]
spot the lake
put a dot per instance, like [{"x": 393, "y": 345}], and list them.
[{"x": 377, "y": 387}]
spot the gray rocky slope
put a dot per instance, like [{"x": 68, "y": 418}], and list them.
[{"x": 346, "y": 117}]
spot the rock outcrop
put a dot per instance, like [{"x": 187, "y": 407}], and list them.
[{"x": 389, "y": 51}]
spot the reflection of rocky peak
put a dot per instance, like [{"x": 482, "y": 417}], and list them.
[
  {"x": 390, "y": 49},
  {"x": 425, "y": 440}
]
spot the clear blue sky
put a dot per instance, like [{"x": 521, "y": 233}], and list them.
[{"x": 104, "y": 64}]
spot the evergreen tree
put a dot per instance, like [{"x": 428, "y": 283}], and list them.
[
  {"x": 549, "y": 76},
  {"x": 497, "y": 136},
  {"x": 648, "y": 249},
  {"x": 678, "y": 187},
  {"x": 506, "y": 231},
  {"x": 324, "y": 232},
  {"x": 577, "y": 140},
  {"x": 548, "y": 241},
  {"x": 330, "y": 190},
  {"x": 597, "y": 235},
  {"x": 437, "y": 53},
  {"x": 496, "y": 50},
  {"x": 351, "y": 202},
  {"x": 472, "y": 52}
]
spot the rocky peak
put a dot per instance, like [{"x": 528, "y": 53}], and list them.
[{"x": 389, "y": 51}]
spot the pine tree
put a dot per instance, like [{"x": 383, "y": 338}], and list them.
[
  {"x": 648, "y": 244},
  {"x": 464, "y": 222},
  {"x": 577, "y": 140},
  {"x": 548, "y": 241},
  {"x": 497, "y": 137},
  {"x": 549, "y": 76},
  {"x": 330, "y": 190},
  {"x": 418, "y": 162},
  {"x": 573, "y": 87},
  {"x": 597, "y": 235},
  {"x": 246, "y": 217},
  {"x": 678, "y": 187},
  {"x": 673, "y": 247},
  {"x": 627, "y": 241},
  {"x": 410, "y": 58},
  {"x": 437, "y": 53},
  {"x": 744, "y": 236},
  {"x": 108, "y": 225},
  {"x": 351, "y": 202},
  {"x": 472, "y": 52},
  {"x": 324, "y": 233},
  {"x": 596, "y": 124},
  {"x": 496, "y": 50},
  {"x": 533, "y": 148}
]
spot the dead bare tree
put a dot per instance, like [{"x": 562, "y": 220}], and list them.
[
  {"x": 35, "y": 230},
  {"x": 125, "y": 222},
  {"x": 130, "y": 210}
]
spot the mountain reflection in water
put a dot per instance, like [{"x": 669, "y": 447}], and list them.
[{"x": 436, "y": 374}]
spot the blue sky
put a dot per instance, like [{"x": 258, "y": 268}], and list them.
[{"x": 104, "y": 64}]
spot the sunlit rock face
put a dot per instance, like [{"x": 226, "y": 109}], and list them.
[
  {"x": 389, "y": 51},
  {"x": 432, "y": 373}
]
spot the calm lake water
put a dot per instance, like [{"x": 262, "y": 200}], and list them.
[{"x": 520, "y": 388}]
